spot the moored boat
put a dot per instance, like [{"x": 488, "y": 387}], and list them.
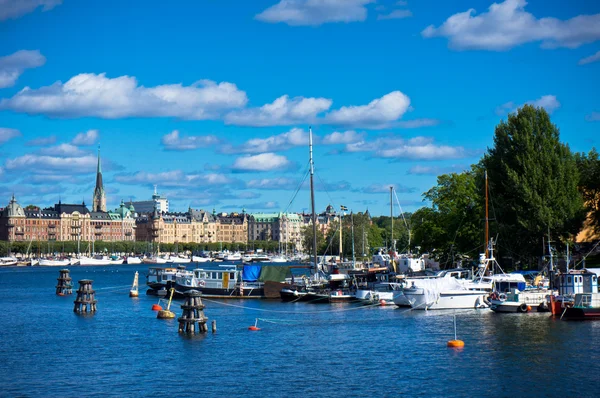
[{"x": 54, "y": 262}]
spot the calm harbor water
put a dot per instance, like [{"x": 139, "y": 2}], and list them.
[{"x": 302, "y": 350}]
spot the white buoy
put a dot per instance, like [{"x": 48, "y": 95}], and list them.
[{"x": 134, "y": 292}]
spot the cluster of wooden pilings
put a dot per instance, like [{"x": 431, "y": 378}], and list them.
[
  {"x": 86, "y": 300},
  {"x": 193, "y": 320},
  {"x": 65, "y": 284}
]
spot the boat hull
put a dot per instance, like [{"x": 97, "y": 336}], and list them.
[
  {"x": 222, "y": 293},
  {"x": 447, "y": 300},
  {"x": 516, "y": 307},
  {"x": 54, "y": 263},
  {"x": 580, "y": 314}
]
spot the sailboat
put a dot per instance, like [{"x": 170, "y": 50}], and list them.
[{"x": 311, "y": 288}]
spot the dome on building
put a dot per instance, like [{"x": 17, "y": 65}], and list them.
[
  {"x": 131, "y": 208},
  {"x": 14, "y": 209},
  {"x": 123, "y": 211}
]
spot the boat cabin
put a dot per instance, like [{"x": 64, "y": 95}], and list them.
[
  {"x": 225, "y": 278},
  {"x": 577, "y": 282}
]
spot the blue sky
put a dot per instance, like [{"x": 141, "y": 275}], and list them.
[{"x": 212, "y": 100}]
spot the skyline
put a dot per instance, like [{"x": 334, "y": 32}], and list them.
[{"x": 213, "y": 106}]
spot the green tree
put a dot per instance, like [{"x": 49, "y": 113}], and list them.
[
  {"x": 589, "y": 185},
  {"x": 307, "y": 240},
  {"x": 533, "y": 182}
]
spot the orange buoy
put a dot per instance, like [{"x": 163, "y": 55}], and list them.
[
  {"x": 253, "y": 328},
  {"x": 456, "y": 344},
  {"x": 381, "y": 302},
  {"x": 156, "y": 307},
  {"x": 528, "y": 308}
]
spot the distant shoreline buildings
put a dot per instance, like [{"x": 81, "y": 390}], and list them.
[{"x": 150, "y": 221}]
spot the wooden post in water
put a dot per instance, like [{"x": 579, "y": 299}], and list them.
[
  {"x": 193, "y": 313},
  {"x": 65, "y": 284},
  {"x": 86, "y": 300}
]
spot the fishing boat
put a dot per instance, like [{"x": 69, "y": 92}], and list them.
[
  {"x": 577, "y": 297},
  {"x": 160, "y": 279}
]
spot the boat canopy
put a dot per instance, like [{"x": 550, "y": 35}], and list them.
[
  {"x": 251, "y": 273},
  {"x": 275, "y": 273}
]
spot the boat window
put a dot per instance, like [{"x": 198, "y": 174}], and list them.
[
  {"x": 569, "y": 279},
  {"x": 232, "y": 275}
]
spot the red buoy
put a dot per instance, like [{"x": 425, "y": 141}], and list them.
[
  {"x": 253, "y": 328},
  {"x": 381, "y": 302},
  {"x": 156, "y": 307}
]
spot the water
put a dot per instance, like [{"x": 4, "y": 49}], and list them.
[{"x": 301, "y": 350}]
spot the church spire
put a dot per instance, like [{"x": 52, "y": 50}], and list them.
[{"x": 99, "y": 201}]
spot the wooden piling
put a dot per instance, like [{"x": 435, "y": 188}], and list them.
[
  {"x": 86, "y": 300},
  {"x": 192, "y": 319},
  {"x": 65, "y": 284}
]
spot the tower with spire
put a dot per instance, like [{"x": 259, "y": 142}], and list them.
[{"x": 99, "y": 201}]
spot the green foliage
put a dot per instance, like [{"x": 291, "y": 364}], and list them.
[
  {"x": 589, "y": 185},
  {"x": 533, "y": 181},
  {"x": 307, "y": 240}
]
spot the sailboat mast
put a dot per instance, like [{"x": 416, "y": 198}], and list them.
[
  {"x": 487, "y": 220},
  {"x": 353, "y": 254},
  {"x": 392, "y": 217},
  {"x": 312, "y": 197}
]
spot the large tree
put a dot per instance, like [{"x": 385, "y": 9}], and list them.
[
  {"x": 589, "y": 185},
  {"x": 533, "y": 183}
]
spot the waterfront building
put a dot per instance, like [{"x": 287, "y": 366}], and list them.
[
  {"x": 284, "y": 228},
  {"x": 99, "y": 198},
  {"x": 159, "y": 202},
  {"x": 232, "y": 228},
  {"x": 65, "y": 222},
  {"x": 193, "y": 226}
]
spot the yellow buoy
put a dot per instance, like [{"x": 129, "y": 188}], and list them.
[{"x": 167, "y": 314}]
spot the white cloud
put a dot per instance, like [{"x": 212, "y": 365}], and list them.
[
  {"x": 173, "y": 141},
  {"x": 417, "y": 148},
  {"x": 315, "y": 12},
  {"x": 294, "y": 137},
  {"x": 263, "y": 162},
  {"x": 377, "y": 113},
  {"x": 385, "y": 188},
  {"x": 549, "y": 102},
  {"x": 593, "y": 117},
  {"x": 396, "y": 14},
  {"x": 88, "y": 138},
  {"x": 42, "y": 141},
  {"x": 347, "y": 137},
  {"x": 73, "y": 165},
  {"x": 507, "y": 25},
  {"x": 434, "y": 170},
  {"x": 272, "y": 184},
  {"x": 13, "y": 9},
  {"x": 282, "y": 111},
  {"x": 95, "y": 95},
  {"x": 590, "y": 59},
  {"x": 7, "y": 134},
  {"x": 12, "y": 66},
  {"x": 174, "y": 178},
  {"x": 67, "y": 150}
]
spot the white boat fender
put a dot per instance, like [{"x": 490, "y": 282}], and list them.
[
  {"x": 523, "y": 308},
  {"x": 502, "y": 297}
]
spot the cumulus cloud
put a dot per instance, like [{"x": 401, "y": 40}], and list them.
[
  {"x": 417, "y": 148},
  {"x": 12, "y": 66},
  {"x": 377, "y": 113},
  {"x": 174, "y": 178},
  {"x": 549, "y": 102},
  {"x": 385, "y": 188},
  {"x": 262, "y": 162},
  {"x": 347, "y": 137},
  {"x": 96, "y": 95},
  {"x": 315, "y": 12},
  {"x": 7, "y": 134},
  {"x": 294, "y": 137},
  {"x": 173, "y": 141},
  {"x": 67, "y": 150},
  {"x": 88, "y": 138},
  {"x": 13, "y": 9},
  {"x": 590, "y": 59},
  {"x": 42, "y": 141},
  {"x": 283, "y": 111},
  {"x": 507, "y": 25},
  {"x": 396, "y": 14},
  {"x": 72, "y": 165}
]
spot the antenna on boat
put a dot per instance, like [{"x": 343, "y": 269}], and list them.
[{"x": 312, "y": 197}]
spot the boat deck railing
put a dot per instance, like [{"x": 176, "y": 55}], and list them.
[{"x": 587, "y": 300}]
